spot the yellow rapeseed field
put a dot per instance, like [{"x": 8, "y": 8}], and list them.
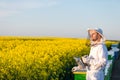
[{"x": 39, "y": 58}]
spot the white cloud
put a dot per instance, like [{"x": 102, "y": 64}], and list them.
[
  {"x": 51, "y": 3},
  {"x": 4, "y": 13},
  {"x": 9, "y": 8}
]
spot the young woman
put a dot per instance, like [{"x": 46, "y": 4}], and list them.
[{"x": 97, "y": 59}]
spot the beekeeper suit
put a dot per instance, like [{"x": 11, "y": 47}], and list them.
[{"x": 97, "y": 59}]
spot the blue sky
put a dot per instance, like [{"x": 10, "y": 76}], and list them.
[{"x": 60, "y": 18}]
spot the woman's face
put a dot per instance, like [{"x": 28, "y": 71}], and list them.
[{"x": 93, "y": 35}]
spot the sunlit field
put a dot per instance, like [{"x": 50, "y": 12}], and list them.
[{"x": 25, "y": 58}]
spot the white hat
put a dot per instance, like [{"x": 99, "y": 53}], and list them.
[{"x": 98, "y": 30}]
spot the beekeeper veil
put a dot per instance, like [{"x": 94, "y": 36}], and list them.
[{"x": 99, "y": 31}]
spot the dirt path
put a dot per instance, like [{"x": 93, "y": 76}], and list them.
[{"x": 116, "y": 69}]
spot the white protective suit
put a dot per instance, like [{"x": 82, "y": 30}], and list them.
[{"x": 98, "y": 59}]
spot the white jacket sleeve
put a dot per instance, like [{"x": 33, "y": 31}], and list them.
[{"x": 98, "y": 57}]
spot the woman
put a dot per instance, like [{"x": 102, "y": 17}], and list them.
[{"x": 97, "y": 59}]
